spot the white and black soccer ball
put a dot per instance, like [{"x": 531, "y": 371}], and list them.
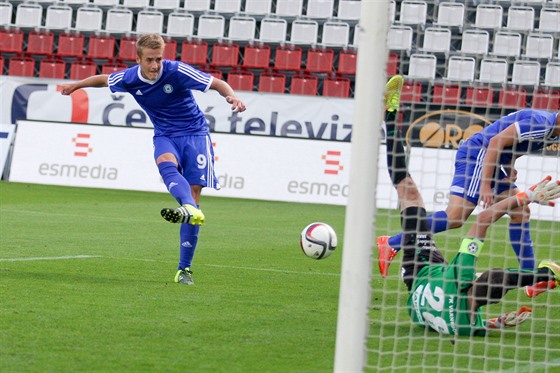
[{"x": 318, "y": 240}]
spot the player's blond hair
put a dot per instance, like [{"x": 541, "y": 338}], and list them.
[{"x": 151, "y": 41}]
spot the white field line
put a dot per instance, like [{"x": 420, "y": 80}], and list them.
[{"x": 48, "y": 258}]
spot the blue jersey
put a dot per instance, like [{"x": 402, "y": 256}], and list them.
[
  {"x": 534, "y": 128},
  {"x": 168, "y": 100}
]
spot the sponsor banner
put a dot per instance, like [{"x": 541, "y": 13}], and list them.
[
  {"x": 255, "y": 167},
  {"x": 6, "y": 137}
]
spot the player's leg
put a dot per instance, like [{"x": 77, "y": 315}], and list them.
[{"x": 188, "y": 242}]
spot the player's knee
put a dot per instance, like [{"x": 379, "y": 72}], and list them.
[{"x": 520, "y": 215}]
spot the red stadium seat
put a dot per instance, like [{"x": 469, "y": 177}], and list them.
[
  {"x": 194, "y": 52},
  {"x": 447, "y": 94},
  {"x": 304, "y": 85},
  {"x": 412, "y": 92},
  {"x": 392, "y": 67},
  {"x": 216, "y": 73},
  {"x": 21, "y": 65},
  {"x": 546, "y": 99},
  {"x": 170, "y": 51},
  {"x": 71, "y": 45},
  {"x": 272, "y": 82},
  {"x": 112, "y": 66},
  {"x": 225, "y": 54},
  {"x": 347, "y": 61},
  {"x": 101, "y": 47},
  {"x": 288, "y": 58},
  {"x": 127, "y": 48},
  {"x": 256, "y": 56},
  {"x": 336, "y": 86},
  {"x": 82, "y": 68},
  {"x": 480, "y": 96},
  {"x": 1, "y": 65},
  {"x": 11, "y": 41},
  {"x": 320, "y": 60},
  {"x": 513, "y": 98},
  {"x": 40, "y": 42},
  {"x": 241, "y": 80},
  {"x": 52, "y": 67}
]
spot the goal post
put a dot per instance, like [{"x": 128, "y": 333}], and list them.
[{"x": 354, "y": 298}]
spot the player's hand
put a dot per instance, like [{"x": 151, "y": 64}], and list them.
[
  {"x": 509, "y": 319},
  {"x": 67, "y": 88},
  {"x": 486, "y": 196},
  {"x": 236, "y": 104},
  {"x": 544, "y": 192}
]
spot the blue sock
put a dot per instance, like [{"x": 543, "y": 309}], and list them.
[
  {"x": 176, "y": 184},
  {"x": 189, "y": 239},
  {"x": 520, "y": 237},
  {"x": 437, "y": 222}
]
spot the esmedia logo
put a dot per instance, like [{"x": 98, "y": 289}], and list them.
[
  {"x": 74, "y": 171},
  {"x": 331, "y": 165},
  {"x": 444, "y": 128}
]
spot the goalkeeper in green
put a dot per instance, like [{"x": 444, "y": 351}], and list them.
[{"x": 448, "y": 297}]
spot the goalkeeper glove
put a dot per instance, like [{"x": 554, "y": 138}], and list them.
[
  {"x": 509, "y": 319},
  {"x": 544, "y": 192}
]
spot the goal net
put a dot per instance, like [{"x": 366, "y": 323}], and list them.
[{"x": 452, "y": 92}]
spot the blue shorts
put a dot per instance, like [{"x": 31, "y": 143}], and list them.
[
  {"x": 466, "y": 180},
  {"x": 195, "y": 156}
]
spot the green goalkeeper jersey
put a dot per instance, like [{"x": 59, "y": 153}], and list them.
[{"x": 439, "y": 297}]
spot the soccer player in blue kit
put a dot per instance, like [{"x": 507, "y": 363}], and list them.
[
  {"x": 182, "y": 147},
  {"x": 484, "y": 167}
]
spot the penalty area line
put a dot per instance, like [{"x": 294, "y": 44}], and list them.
[{"x": 32, "y": 259}]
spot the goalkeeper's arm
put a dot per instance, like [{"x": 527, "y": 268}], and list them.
[{"x": 544, "y": 192}]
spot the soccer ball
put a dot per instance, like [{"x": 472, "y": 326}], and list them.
[{"x": 318, "y": 240}]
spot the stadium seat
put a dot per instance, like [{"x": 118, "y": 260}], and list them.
[
  {"x": 526, "y": 73},
  {"x": 399, "y": 38},
  {"x": 89, "y": 18},
  {"x": 211, "y": 26},
  {"x": 2, "y": 63},
  {"x": 149, "y": 21},
  {"x": 488, "y": 16},
  {"x": 319, "y": 60},
  {"x": 436, "y": 40},
  {"x": 242, "y": 28},
  {"x": 194, "y": 52},
  {"x": 258, "y": 7},
  {"x": 446, "y": 94},
  {"x": 241, "y": 80},
  {"x": 119, "y": 20},
  {"x": 105, "y": 3},
  {"x": 480, "y": 96},
  {"x": 21, "y": 65},
  {"x": 227, "y": 6},
  {"x": 167, "y": 4},
  {"x": 475, "y": 41},
  {"x": 304, "y": 32},
  {"x": 70, "y": 44},
  {"x": 52, "y": 67},
  {"x": 136, "y": 4},
  {"x": 422, "y": 66},
  {"x": 319, "y": 9},
  {"x": 272, "y": 82},
  {"x": 549, "y": 19},
  {"x": 552, "y": 74},
  {"x": 11, "y": 40},
  {"x": 539, "y": 46},
  {"x": 288, "y": 58},
  {"x": 392, "y": 67},
  {"x": 40, "y": 42},
  {"x": 349, "y": 9},
  {"x": 101, "y": 46},
  {"x": 197, "y": 6},
  {"x": 450, "y": 14},
  {"x": 520, "y": 18},
  {"x": 59, "y": 17},
  {"x": 304, "y": 85},
  {"x": 82, "y": 68},
  {"x": 225, "y": 54},
  {"x": 170, "y": 51},
  {"x": 112, "y": 66},
  {"x": 289, "y": 8},
  {"x": 336, "y": 34},
  {"x": 273, "y": 30},
  {"x": 256, "y": 56},
  {"x": 180, "y": 24},
  {"x": 336, "y": 86},
  {"x": 29, "y": 14},
  {"x": 513, "y": 98},
  {"x": 216, "y": 73},
  {"x": 413, "y": 12},
  {"x": 412, "y": 91},
  {"x": 493, "y": 70},
  {"x": 460, "y": 68},
  {"x": 545, "y": 99},
  {"x": 6, "y": 11},
  {"x": 347, "y": 62},
  {"x": 127, "y": 48}
]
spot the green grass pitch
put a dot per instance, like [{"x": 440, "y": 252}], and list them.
[{"x": 86, "y": 284}]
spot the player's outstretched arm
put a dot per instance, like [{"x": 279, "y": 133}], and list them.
[
  {"x": 93, "y": 81},
  {"x": 227, "y": 92},
  {"x": 544, "y": 192}
]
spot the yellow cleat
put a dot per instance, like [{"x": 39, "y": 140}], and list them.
[
  {"x": 393, "y": 93},
  {"x": 183, "y": 214}
]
